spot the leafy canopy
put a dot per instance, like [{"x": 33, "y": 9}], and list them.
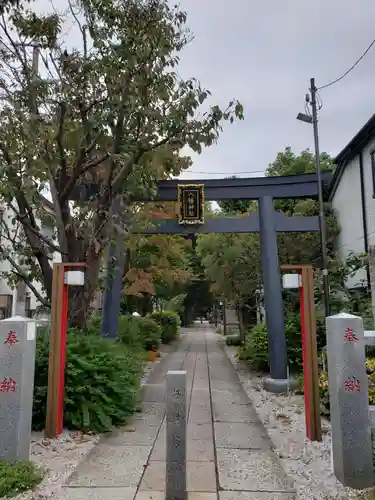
[{"x": 110, "y": 108}]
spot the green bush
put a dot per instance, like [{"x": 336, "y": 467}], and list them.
[
  {"x": 94, "y": 322},
  {"x": 150, "y": 332},
  {"x": 324, "y": 392},
  {"x": 169, "y": 322},
  {"x": 129, "y": 331},
  {"x": 102, "y": 381},
  {"x": 255, "y": 348},
  {"x": 17, "y": 478}
]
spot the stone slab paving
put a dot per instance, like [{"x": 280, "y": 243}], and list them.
[{"x": 229, "y": 456}]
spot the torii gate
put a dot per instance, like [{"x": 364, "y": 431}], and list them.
[{"x": 268, "y": 223}]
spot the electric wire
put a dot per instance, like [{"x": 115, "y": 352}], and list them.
[
  {"x": 350, "y": 69},
  {"x": 229, "y": 173}
]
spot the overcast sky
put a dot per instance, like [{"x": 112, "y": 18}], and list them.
[{"x": 264, "y": 52}]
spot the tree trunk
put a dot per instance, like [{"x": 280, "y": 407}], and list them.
[
  {"x": 80, "y": 297},
  {"x": 79, "y": 304},
  {"x": 241, "y": 325}
]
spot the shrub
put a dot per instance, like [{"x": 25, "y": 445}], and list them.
[
  {"x": 324, "y": 392},
  {"x": 255, "y": 348},
  {"x": 93, "y": 324},
  {"x": 19, "y": 477},
  {"x": 150, "y": 332},
  {"x": 129, "y": 331},
  {"x": 169, "y": 322},
  {"x": 102, "y": 381}
]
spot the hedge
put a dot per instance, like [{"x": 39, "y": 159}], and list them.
[
  {"x": 102, "y": 382},
  {"x": 255, "y": 348},
  {"x": 169, "y": 322}
]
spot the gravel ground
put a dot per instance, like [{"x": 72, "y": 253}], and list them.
[
  {"x": 60, "y": 457},
  {"x": 308, "y": 463}
]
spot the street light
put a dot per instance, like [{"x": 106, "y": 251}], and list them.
[
  {"x": 314, "y": 121},
  {"x": 304, "y": 118}
]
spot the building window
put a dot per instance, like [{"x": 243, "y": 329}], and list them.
[
  {"x": 28, "y": 310},
  {"x": 373, "y": 171}
]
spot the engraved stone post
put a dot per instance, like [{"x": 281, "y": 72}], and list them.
[
  {"x": 348, "y": 396},
  {"x": 176, "y": 436},
  {"x": 17, "y": 366}
]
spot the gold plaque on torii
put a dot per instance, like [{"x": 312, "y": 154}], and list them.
[{"x": 191, "y": 203}]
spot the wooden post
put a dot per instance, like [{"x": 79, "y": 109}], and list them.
[
  {"x": 311, "y": 372},
  {"x": 55, "y": 345},
  {"x": 309, "y": 351}
]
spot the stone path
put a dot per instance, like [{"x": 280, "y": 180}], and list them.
[{"x": 229, "y": 455}]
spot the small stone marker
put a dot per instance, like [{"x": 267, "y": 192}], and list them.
[
  {"x": 348, "y": 396},
  {"x": 176, "y": 436},
  {"x": 17, "y": 367}
]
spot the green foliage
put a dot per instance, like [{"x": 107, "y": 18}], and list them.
[
  {"x": 94, "y": 322},
  {"x": 150, "y": 332},
  {"x": 129, "y": 331},
  {"x": 112, "y": 109},
  {"x": 18, "y": 477},
  {"x": 169, "y": 323},
  {"x": 324, "y": 392},
  {"x": 232, "y": 263},
  {"x": 235, "y": 207},
  {"x": 199, "y": 298},
  {"x": 288, "y": 163},
  {"x": 255, "y": 349},
  {"x": 101, "y": 382},
  {"x": 176, "y": 304}
]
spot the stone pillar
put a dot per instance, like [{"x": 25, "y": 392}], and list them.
[
  {"x": 17, "y": 365},
  {"x": 348, "y": 396},
  {"x": 278, "y": 359},
  {"x": 176, "y": 436}
]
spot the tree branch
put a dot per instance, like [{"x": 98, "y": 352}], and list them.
[
  {"x": 77, "y": 172},
  {"x": 59, "y": 140},
  {"x": 18, "y": 270}
]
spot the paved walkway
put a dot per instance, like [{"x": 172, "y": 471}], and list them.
[{"x": 229, "y": 456}]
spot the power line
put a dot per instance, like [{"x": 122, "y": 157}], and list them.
[
  {"x": 350, "y": 69},
  {"x": 229, "y": 173}
]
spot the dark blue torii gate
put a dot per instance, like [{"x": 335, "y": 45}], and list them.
[{"x": 268, "y": 223}]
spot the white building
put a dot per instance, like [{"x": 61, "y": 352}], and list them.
[
  {"x": 19, "y": 299},
  {"x": 352, "y": 194}
]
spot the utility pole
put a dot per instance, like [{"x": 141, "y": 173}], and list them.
[{"x": 313, "y": 91}]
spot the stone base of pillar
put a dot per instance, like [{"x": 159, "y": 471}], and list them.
[{"x": 278, "y": 386}]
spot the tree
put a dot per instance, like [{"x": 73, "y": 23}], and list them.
[
  {"x": 112, "y": 110},
  {"x": 6, "y": 5},
  {"x": 233, "y": 207},
  {"x": 288, "y": 163},
  {"x": 158, "y": 268},
  {"x": 232, "y": 262},
  {"x": 232, "y": 265}
]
